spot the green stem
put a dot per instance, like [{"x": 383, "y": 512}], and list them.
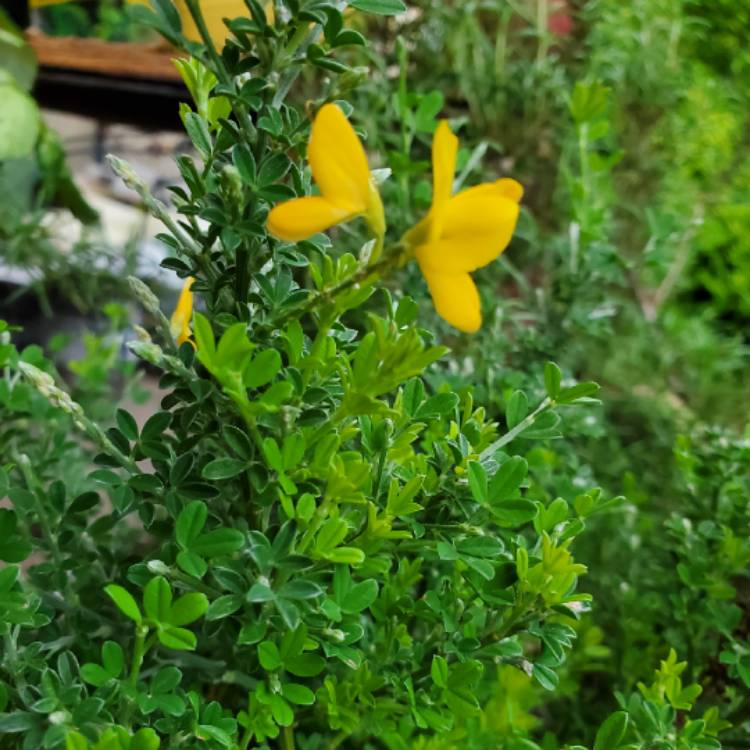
[
  {"x": 246, "y": 737},
  {"x": 139, "y": 651},
  {"x": 301, "y": 37},
  {"x": 337, "y": 740},
  {"x": 287, "y": 738},
  {"x": 200, "y": 23},
  {"x": 542, "y": 20},
  {"x": 364, "y": 275},
  {"x": 490, "y": 450}
]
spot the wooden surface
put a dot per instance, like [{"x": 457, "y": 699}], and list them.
[{"x": 150, "y": 61}]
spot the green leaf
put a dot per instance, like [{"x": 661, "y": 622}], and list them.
[
  {"x": 507, "y": 480},
  {"x": 331, "y": 534},
  {"x": 166, "y": 680},
  {"x": 223, "y": 468},
  {"x": 244, "y": 160},
  {"x": 218, "y": 542},
  {"x": 379, "y": 7},
  {"x": 188, "y": 608},
  {"x": 282, "y": 712},
  {"x": 348, "y": 555},
  {"x": 552, "y": 379},
  {"x": 113, "y": 658},
  {"x": 76, "y": 741},
  {"x": 224, "y": 606},
  {"x": 179, "y": 639},
  {"x": 298, "y": 694},
  {"x": 300, "y": 590},
  {"x": 197, "y": 129},
  {"x": 273, "y": 455},
  {"x": 545, "y": 676},
  {"x": 157, "y": 599},
  {"x": 127, "y": 424},
  {"x": 427, "y": 110},
  {"x": 259, "y": 592},
  {"x": 192, "y": 564},
  {"x": 478, "y": 482},
  {"x": 238, "y": 441},
  {"x": 289, "y": 612},
  {"x": 204, "y": 340},
  {"x": 13, "y": 547},
  {"x": 95, "y": 675},
  {"x": 305, "y": 665},
  {"x": 262, "y": 369},
  {"x": 514, "y": 513},
  {"x": 19, "y": 122},
  {"x": 269, "y": 656},
  {"x": 577, "y": 392},
  {"x": 480, "y": 546},
  {"x": 190, "y": 523},
  {"x": 439, "y": 671},
  {"x": 359, "y": 597},
  {"x": 516, "y": 408},
  {"x": 124, "y": 601},
  {"x": 437, "y": 406},
  {"x": 610, "y": 733},
  {"x": 145, "y": 739}
]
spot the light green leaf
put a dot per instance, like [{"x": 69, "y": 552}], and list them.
[
  {"x": 179, "y": 639},
  {"x": 19, "y": 122},
  {"x": 157, "y": 599},
  {"x": 269, "y": 656},
  {"x": 124, "y": 601},
  {"x": 190, "y": 523},
  {"x": 188, "y": 608}
]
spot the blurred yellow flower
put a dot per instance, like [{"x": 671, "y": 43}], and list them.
[
  {"x": 461, "y": 233},
  {"x": 339, "y": 168},
  {"x": 183, "y": 314}
]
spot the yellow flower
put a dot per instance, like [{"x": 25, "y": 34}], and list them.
[
  {"x": 183, "y": 314},
  {"x": 461, "y": 233},
  {"x": 339, "y": 168}
]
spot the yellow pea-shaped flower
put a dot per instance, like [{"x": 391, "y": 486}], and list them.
[
  {"x": 339, "y": 168},
  {"x": 183, "y": 314},
  {"x": 461, "y": 233}
]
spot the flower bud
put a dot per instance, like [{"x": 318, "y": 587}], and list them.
[{"x": 144, "y": 295}]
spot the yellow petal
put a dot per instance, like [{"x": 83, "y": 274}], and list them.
[
  {"x": 183, "y": 313},
  {"x": 456, "y": 299},
  {"x": 338, "y": 161},
  {"x": 510, "y": 189},
  {"x": 444, "y": 151},
  {"x": 477, "y": 226},
  {"x": 301, "y": 218}
]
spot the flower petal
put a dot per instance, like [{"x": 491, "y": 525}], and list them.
[
  {"x": 478, "y": 224},
  {"x": 444, "y": 151},
  {"x": 338, "y": 161},
  {"x": 456, "y": 299},
  {"x": 179, "y": 324},
  {"x": 301, "y": 218},
  {"x": 509, "y": 188}
]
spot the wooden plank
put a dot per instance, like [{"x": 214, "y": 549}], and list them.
[{"x": 151, "y": 61}]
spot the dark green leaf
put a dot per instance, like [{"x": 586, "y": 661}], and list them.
[
  {"x": 380, "y": 7},
  {"x": 223, "y": 468}
]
